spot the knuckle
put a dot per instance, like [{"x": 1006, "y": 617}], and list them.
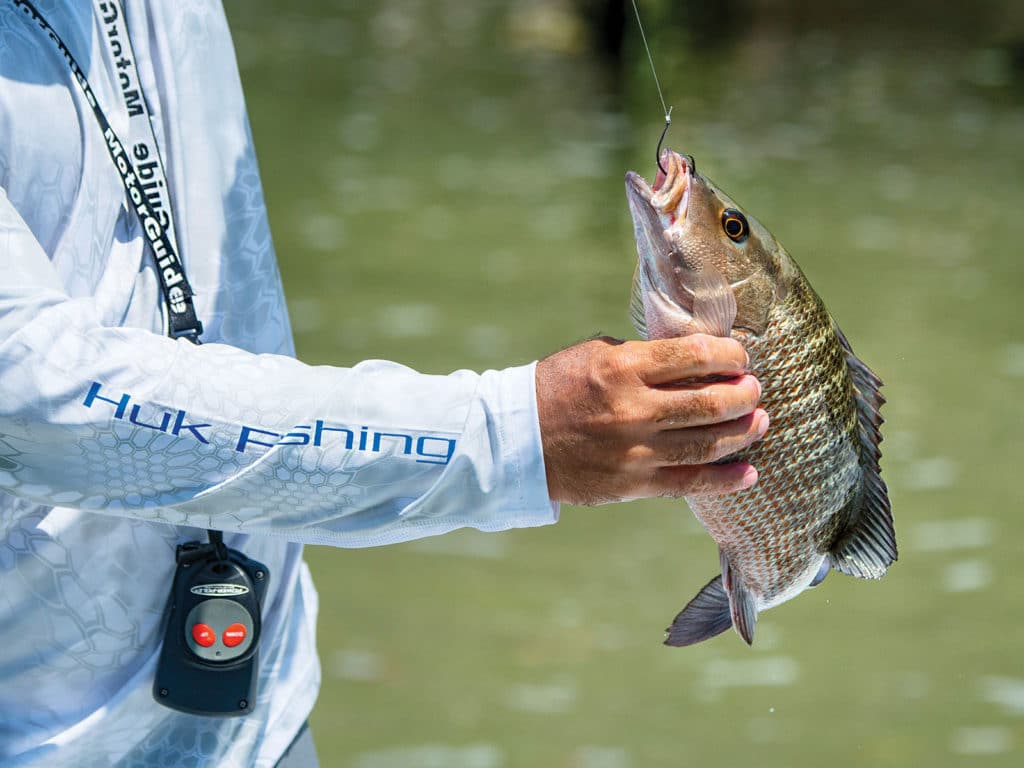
[
  {"x": 611, "y": 390},
  {"x": 700, "y": 351},
  {"x": 626, "y": 359},
  {"x": 615, "y": 423},
  {"x": 593, "y": 380},
  {"x": 710, "y": 403},
  {"x": 635, "y": 456},
  {"x": 598, "y": 386},
  {"x": 665, "y": 352},
  {"x": 698, "y": 488},
  {"x": 751, "y": 390},
  {"x": 732, "y": 347},
  {"x": 672, "y": 482},
  {"x": 701, "y": 484},
  {"x": 611, "y": 368},
  {"x": 693, "y": 484},
  {"x": 705, "y": 448},
  {"x": 698, "y": 446},
  {"x": 612, "y": 411}
]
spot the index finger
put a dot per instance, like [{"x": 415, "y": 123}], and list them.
[{"x": 688, "y": 357}]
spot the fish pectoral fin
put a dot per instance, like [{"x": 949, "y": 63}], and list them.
[
  {"x": 636, "y": 305},
  {"x": 867, "y": 547},
  {"x": 714, "y": 303},
  {"x": 742, "y": 606},
  {"x": 704, "y": 617}
]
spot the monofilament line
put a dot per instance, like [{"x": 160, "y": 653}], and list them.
[
  {"x": 666, "y": 110},
  {"x": 657, "y": 84}
]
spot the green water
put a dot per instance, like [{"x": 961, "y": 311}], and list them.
[{"x": 445, "y": 188}]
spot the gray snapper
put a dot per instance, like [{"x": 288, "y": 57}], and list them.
[{"x": 705, "y": 266}]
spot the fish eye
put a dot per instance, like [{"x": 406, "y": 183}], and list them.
[{"x": 735, "y": 225}]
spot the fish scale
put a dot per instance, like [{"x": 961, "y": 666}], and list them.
[
  {"x": 808, "y": 463},
  {"x": 820, "y": 501}
]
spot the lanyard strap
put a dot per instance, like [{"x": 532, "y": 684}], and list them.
[{"x": 146, "y": 184}]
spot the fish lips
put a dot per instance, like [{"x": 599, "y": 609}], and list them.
[
  {"x": 648, "y": 225},
  {"x": 657, "y": 210}
]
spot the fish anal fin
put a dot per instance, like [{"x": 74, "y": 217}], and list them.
[
  {"x": 867, "y": 546},
  {"x": 704, "y": 617},
  {"x": 742, "y": 605}
]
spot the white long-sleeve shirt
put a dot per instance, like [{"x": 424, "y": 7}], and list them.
[{"x": 117, "y": 443}]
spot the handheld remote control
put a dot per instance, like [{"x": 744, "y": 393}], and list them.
[{"x": 209, "y": 662}]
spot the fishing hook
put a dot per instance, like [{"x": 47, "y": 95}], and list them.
[{"x": 657, "y": 152}]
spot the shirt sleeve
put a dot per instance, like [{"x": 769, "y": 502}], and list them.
[{"x": 126, "y": 422}]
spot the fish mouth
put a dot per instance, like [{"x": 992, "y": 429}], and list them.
[
  {"x": 658, "y": 212},
  {"x": 669, "y": 195}
]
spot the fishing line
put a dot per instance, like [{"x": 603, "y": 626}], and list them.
[{"x": 657, "y": 84}]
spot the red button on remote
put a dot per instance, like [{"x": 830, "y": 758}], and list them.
[
  {"x": 234, "y": 635},
  {"x": 204, "y": 635}
]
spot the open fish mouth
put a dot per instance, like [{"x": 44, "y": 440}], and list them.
[
  {"x": 672, "y": 188},
  {"x": 657, "y": 210},
  {"x": 669, "y": 195}
]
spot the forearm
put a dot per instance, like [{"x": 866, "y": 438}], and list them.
[{"x": 127, "y": 422}]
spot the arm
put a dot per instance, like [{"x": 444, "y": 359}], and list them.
[{"x": 127, "y": 422}]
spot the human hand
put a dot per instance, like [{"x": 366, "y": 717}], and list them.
[{"x": 619, "y": 420}]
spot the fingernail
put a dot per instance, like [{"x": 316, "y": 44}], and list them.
[
  {"x": 758, "y": 385},
  {"x": 749, "y": 477},
  {"x": 762, "y": 424}
]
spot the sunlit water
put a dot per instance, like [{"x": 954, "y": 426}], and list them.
[{"x": 445, "y": 188}]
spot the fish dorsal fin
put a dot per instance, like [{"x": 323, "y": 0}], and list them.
[
  {"x": 742, "y": 606},
  {"x": 636, "y": 306},
  {"x": 704, "y": 617},
  {"x": 868, "y": 545},
  {"x": 714, "y": 303}
]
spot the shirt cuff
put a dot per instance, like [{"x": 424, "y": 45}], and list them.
[{"x": 510, "y": 397}]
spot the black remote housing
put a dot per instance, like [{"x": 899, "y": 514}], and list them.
[{"x": 209, "y": 658}]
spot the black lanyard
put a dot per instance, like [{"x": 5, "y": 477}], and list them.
[
  {"x": 157, "y": 223},
  {"x": 208, "y": 661}
]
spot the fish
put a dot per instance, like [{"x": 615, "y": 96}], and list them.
[{"x": 705, "y": 265}]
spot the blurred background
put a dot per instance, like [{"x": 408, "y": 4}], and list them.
[{"x": 445, "y": 185}]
